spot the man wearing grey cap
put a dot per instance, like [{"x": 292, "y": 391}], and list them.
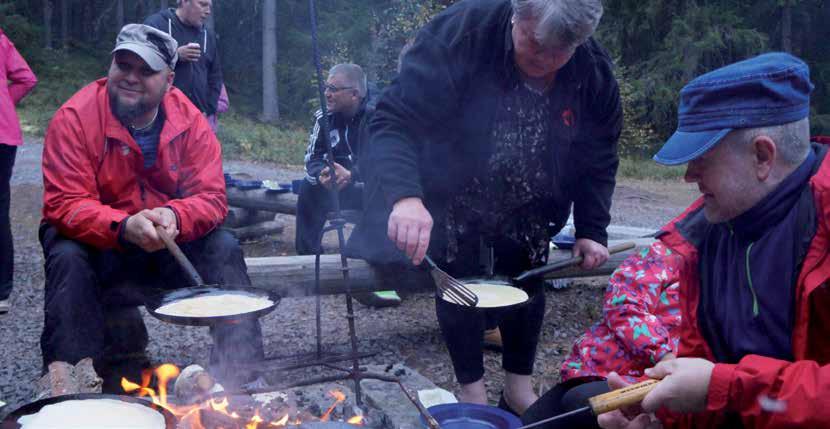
[
  {"x": 755, "y": 261},
  {"x": 126, "y": 154}
]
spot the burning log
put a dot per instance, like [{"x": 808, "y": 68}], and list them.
[
  {"x": 66, "y": 379},
  {"x": 211, "y": 418},
  {"x": 294, "y": 275}
]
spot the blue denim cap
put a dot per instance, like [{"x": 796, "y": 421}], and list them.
[{"x": 770, "y": 89}]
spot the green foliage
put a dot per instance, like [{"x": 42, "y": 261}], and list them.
[
  {"x": 58, "y": 79},
  {"x": 243, "y": 138},
  {"x": 393, "y": 29},
  {"x": 25, "y": 35},
  {"x": 700, "y": 37},
  {"x": 638, "y": 138}
]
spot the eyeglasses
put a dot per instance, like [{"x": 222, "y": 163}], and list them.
[{"x": 333, "y": 89}]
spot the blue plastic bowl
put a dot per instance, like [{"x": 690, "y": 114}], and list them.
[
  {"x": 564, "y": 241},
  {"x": 472, "y": 416}
]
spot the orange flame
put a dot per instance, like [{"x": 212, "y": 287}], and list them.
[
  {"x": 281, "y": 422},
  {"x": 255, "y": 421},
  {"x": 165, "y": 373},
  {"x": 338, "y": 398},
  {"x": 189, "y": 415}
]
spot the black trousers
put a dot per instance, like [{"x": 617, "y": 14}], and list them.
[
  {"x": 567, "y": 396},
  {"x": 520, "y": 326},
  {"x": 91, "y": 298},
  {"x": 313, "y": 203},
  {"x": 7, "y": 156}
]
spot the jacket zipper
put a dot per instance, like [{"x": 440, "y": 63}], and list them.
[{"x": 755, "y": 310}]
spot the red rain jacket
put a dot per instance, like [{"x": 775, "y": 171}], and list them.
[
  {"x": 766, "y": 392},
  {"x": 21, "y": 80},
  {"x": 94, "y": 176}
]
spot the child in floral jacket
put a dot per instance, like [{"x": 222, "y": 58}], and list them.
[{"x": 640, "y": 317}]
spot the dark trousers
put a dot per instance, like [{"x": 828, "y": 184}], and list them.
[
  {"x": 91, "y": 298},
  {"x": 313, "y": 204},
  {"x": 567, "y": 396},
  {"x": 520, "y": 326},
  {"x": 7, "y": 155}
]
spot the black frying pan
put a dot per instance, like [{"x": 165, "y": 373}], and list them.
[
  {"x": 154, "y": 302},
  {"x": 10, "y": 422}
]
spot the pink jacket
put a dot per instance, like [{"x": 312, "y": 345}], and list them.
[
  {"x": 13, "y": 69},
  {"x": 640, "y": 319}
]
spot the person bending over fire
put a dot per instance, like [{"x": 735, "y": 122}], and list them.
[
  {"x": 505, "y": 114},
  {"x": 125, "y": 154}
]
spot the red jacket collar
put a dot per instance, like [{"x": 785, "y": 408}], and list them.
[{"x": 174, "y": 123}]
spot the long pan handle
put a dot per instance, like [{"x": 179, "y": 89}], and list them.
[
  {"x": 601, "y": 404},
  {"x": 616, "y": 399},
  {"x": 177, "y": 253},
  {"x": 569, "y": 262}
]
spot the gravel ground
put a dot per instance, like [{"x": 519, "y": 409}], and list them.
[{"x": 407, "y": 334}]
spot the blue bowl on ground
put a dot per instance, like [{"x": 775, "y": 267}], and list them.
[
  {"x": 564, "y": 241},
  {"x": 472, "y": 416}
]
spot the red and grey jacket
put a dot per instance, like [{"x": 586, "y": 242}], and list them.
[
  {"x": 764, "y": 392},
  {"x": 94, "y": 176}
]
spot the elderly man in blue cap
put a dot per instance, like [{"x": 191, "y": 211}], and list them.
[{"x": 755, "y": 248}]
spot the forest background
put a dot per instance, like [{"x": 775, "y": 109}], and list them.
[{"x": 265, "y": 48}]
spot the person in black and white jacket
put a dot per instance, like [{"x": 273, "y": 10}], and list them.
[{"x": 346, "y": 101}]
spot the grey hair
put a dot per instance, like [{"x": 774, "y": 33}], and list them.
[
  {"x": 560, "y": 23},
  {"x": 354, "y": 76},
  {"x": 792, "y": 140}
]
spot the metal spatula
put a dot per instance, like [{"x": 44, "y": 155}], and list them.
[{"x": 449, "y": 286}]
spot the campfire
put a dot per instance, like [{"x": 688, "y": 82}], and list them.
[{"x": 228, "y": 413}]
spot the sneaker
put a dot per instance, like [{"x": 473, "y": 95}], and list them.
[
  {"x": 492, "y": 340},
  {"x": 5, "y": 306},
  {"x": 385, "y": 298}
]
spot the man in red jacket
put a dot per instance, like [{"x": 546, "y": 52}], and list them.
[
  {"x": 754, "y": 336},
  {"x": 125, "y": 154}
]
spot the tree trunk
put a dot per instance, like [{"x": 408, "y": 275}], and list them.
[
  {"x": 65, "y": 23},
  {"x": 270, "y": 108},
  {"x": 119, "y": 14},
  {"x": 47, "y": 23},
  {"x": 787, "y": 27}
]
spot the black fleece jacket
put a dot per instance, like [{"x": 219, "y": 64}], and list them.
[
  {"x": 431, "y": 132},
  {"x": 201, "y": 81}
]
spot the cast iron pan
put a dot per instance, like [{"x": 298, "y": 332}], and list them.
[
  {"x": 472, "y": 416},
  {"x": 10, "y": 422},
  {"x": 154, "y": 302}
]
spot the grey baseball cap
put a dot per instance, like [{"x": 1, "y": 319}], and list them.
[{"x": 155, "y": 47}]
